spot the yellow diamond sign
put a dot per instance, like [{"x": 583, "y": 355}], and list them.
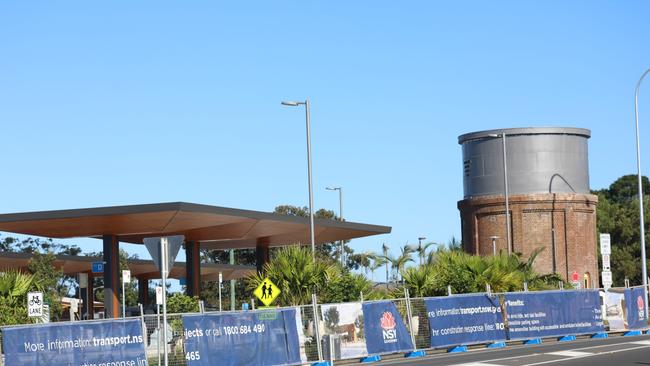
[{"x": 267, "y": 291}]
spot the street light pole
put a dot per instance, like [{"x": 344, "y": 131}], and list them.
[
  {"x": 505, "y": 185},
  {"x": 311, "y": 193},
  {"x": 420, "y": 248},
  {"x": 340, "y": 189},
  {"x": 644, "y": 273}
]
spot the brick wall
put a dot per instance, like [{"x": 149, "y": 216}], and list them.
[{"x": 563, "y": 224}]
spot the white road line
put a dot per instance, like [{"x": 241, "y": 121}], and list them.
[
  {"x": 477, "y": 364},
  {"x": 590, "y": 355},
  {"x": 570, "y": 353},
  {"x": 646, "y": 342}
]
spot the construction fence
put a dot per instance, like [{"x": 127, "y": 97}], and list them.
[{"x": 327, "y": 332}]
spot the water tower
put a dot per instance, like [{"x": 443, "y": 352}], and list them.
[{"x": 548, "y": 198}]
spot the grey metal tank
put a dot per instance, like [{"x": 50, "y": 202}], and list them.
[{"x": 539, "y": 160}]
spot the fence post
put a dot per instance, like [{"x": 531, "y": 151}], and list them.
[
  {"x": 201, "y": 306},
  {"x": 560, "y": 285},
  {"x": 488, "y": 289},
  {"x": 361, "y": 295},
  {"x": 627, "y": 282},
  {"x": 144, "y": 325},
  {"x": 409, "y": 315},
  {"x": 316, "y": 327},
  {"x": 448, "y": 290},
  {"x": 525, "y": 286},
  {"x": 252, "y": 303}
]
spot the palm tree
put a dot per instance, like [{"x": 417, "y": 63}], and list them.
[
  {"x": 293, "y": 270},
  {"x": 421, "y": 250},
  {"x": 419, "y": 280},
  {"x": 385, "y": 249},
  {"x": 14, "y": 286},
  {"x": 377, "y": 262},
  {"x": 402, "y": 259},
  {"x": 365, "y": 260}
]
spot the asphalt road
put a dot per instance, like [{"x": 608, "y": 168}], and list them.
[{"x": 614, "y": 351}]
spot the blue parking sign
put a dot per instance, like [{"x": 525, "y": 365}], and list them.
[{"x": 98, "y": 267}]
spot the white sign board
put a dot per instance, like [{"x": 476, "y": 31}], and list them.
[
  {"x": 159, "y": 294},
  {"x": 606, "y": 264},
  {"x": 35, "y": 304},
  {"x": 605, "y": 244},
  {"x": 220, "y": 277},
  {"x": 126, "y": 276},
  {"x": 606, "y": 277},
  {"x": 83, "y": 280}
]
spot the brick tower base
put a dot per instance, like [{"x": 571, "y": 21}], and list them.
[{"x": 563, "y": 223}]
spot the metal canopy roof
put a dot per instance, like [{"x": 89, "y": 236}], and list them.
[
  {"x": 215, "y": 227},
  {"x": 141, "y": 269}
]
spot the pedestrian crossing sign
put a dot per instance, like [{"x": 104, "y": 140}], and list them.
[{"x": 267, "y": 291}]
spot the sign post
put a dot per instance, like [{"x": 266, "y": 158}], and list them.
[
  {"x": 220, "y": 282},
  {"x": 605, "y": 252},
  {"x": 159, "y": 292},
  {"x": 163, "y": 251},
  {"x": 126, "y": 278}
]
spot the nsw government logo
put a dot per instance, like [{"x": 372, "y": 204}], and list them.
[
  {"x": 387, "y": 323},
  {"x": 641, "y": 306}
]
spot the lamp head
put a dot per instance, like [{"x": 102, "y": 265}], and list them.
[{"x": 290, "y": 103}]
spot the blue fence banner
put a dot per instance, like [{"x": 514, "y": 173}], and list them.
[
  {"x": 266, "y": 337},
  {"x": 635, "y": 306},
  {"x": 384, "y": 328},
  {"x": 110, "y": 342},
  {"x": 463, "y": 320},
  {"x": 553, "y": 313}
]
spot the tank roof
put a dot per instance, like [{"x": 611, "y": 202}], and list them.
[{"x": 524, "y": 131}]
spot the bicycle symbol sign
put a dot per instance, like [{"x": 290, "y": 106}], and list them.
[{"x": 35, "y": 304}]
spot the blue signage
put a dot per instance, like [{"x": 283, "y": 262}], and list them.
[
  {"x": 268, "y": 337},
  {"x": 553, "y": 313},
  {"x": 463, "y": 320},
  {"x": 94, "y": 343},
  {"x": 635, "y": 306},
  {"x": 384, "y": 329},
  {"x": 98, "y": 267}
]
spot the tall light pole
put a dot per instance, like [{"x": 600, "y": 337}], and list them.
[
  {"x": 340, "y": 189},
  {"x": 505, "y": 186},
  {"x": 644, "y": 272},
  {"x": 420, "y": 248},
  {"x": 311, "y": 193}
]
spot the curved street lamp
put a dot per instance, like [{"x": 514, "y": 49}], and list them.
[
  {"x": 644, "y": 272},
  {"x": 311, "y": 193}
]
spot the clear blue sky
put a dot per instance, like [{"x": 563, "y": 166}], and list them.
[{"x": 128, "y": 102}]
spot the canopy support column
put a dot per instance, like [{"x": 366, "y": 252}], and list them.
[
  {"x": 193, "y": 268},
  {"x": 261, "y": 255},
  {"x": 111, "y": 276},
  {"x": 143, "y": 291}
]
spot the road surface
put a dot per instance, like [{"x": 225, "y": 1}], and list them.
[{"x": 614, "y": 351}]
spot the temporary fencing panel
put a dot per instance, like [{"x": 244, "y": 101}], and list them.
[
  {"x": 344, "y": 328},
  {"x": 613, "y": 305},
  {"x": 465, "y": 319},
  {"x": 265, "y": 337},
  {"x": 553, "y": 313},
  {"x": 635, "y": 306},
  {"x": 384, "y": 328},
  {"x": 77, "y": 343}
]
